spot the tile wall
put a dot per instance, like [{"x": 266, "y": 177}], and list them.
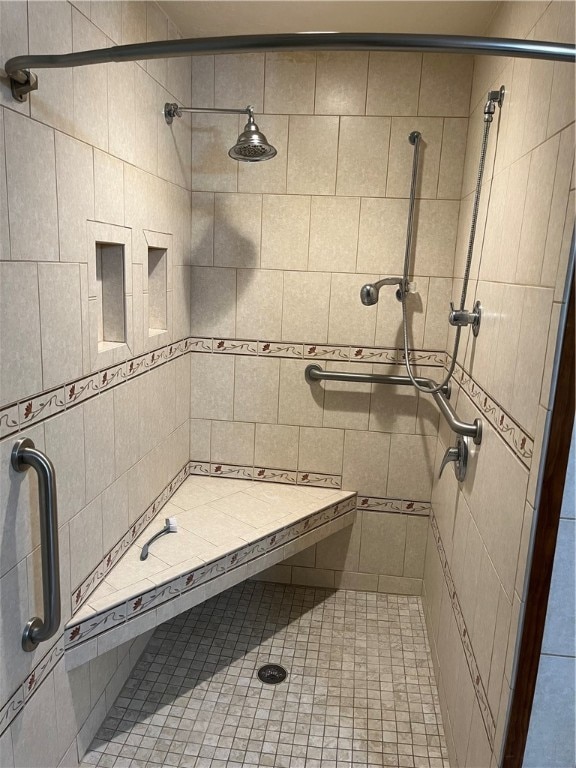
[
  {"x": 280, "y": 251},
  {"x": 479, "y": 533},
  {"x": 88, "y": 152}
]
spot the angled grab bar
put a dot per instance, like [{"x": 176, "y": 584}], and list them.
[
  {"x": 25, "y": 455},
  {"x": 316, "y": 373}
]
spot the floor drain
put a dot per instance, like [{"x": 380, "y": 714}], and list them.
[{"x": 272, "y": 674}]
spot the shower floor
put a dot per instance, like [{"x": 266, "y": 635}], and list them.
[{"x": 360, "y": 689}]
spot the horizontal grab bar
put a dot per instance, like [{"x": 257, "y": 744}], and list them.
[
  {"x": 25, "y": 455},
  {"x": 316, "y": 373}
]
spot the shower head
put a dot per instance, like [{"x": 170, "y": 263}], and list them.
[
  {"x": 252, "y": 146},
  {"x": 369, "y": 293}
]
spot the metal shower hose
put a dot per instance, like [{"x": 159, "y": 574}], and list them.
[{"x": 415, "y": 139}]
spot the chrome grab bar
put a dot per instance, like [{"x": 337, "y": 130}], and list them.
[
  {"x": 316, "y": 373},
  {"x": 25, "y": 455}
]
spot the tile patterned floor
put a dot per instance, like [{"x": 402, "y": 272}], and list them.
[{"x": 360, "y": 689}]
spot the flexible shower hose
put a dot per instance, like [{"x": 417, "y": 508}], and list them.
[{"x": 415, "y": 139}]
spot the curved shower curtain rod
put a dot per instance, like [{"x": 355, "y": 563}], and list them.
[{"x": 23, "y": 81}]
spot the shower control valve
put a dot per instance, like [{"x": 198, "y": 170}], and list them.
[
  {"x": 461, "y": 317},
  {"x": 459, "y": 455}
]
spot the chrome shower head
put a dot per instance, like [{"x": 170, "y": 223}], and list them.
[
  {"x": 252, "y": 146},
  {"x": 369, "y": 294}
]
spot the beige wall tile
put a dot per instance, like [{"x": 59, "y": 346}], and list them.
[
  {"x": 65, "y": 447},
  {"x": 306, "y": 557},
  {"x": 437, "y": 308},
  {"x": 393, "y": 83},
  {"x": 200, "y": 439},
  {"x": 285, "y": 228},
  {"x": 383, "y": 543},
  {"x": 435, "y": 237},
  {"x": 501, "y": 382},
  {"x": 267, "y": 177},
  {"x": 232, "y": 443},
  {"x": 341, "y": 79},
  {"x": 399, "y": 585},
  {"x": 334, "y": 225},
  {"x": 392, "y": 409},
  {"x": 382, "y": 236},
  {"x": 321, "y": 450},
  {"x": 389, "y": 328},
  {"x": 156, "y": 400},
  {"x": 312, "y": 155},
  {"x": 133, "y": 22},
  {"x": 445, "y": 85},
  {"x": 75, "y": 185},
  {"x": 341, "y": 551},
  {"x": 90, "y": 85},
  {"x": 402, "y": 153},
  {"x": 85, "y": 541},
  {"x": 126, "y": 443},
  {"x": 299, "y": 403},
  {"x": 202, "y": 229},
  {"x": 276, "y": 446},
  {"x": 256, "y": 389},
  {"x": 513, "y": 215},
  {"x": 484, "y": 623},
  {"x": 350, "y": 321},
  {"x": 60, "y": 321},
  {"x": 13, "y": 41},
  {"x": 259, "y": 310},
  {"x": 363, "y": 582},
  {"x": 363, "y": 146},
  {"x": 277, "y": 574},
  {"x": 147, "y": 96},
  {"x": 346, "y": 405},
  {"x": 452, "y": 161},
  {"x": 305, "y": 307},
  {"x": 536, "y": 212},
  {"x": 565, "y": 166},
  {"x": 50, "y": 31},
  {"x": 4, "y": 228},
  {"x": 416, "y": 452},
  {"x": 365, "y": 467},
  {"x": 290, "y": 82},
  {"x": 536, "y": 314},
  {"x": 181, "y": 302},
  {"x": 213, "y": 301},
  {"x": 237, "y": 225},
  {"x": 203, "y": 81},
  {"x": 312, "y": 577},
  {"x": 107, "y": 15},
  {"x": 156, "y": 29},
  {"x": 212, "y": 137},
  {"x": 239, "y": 81},
  {"x": 212, "y": 387},
  {"x": 31, "y": 183},
  {"x": 415, "y": 552},
  {"x": 115, "y": 521},
  {"x": 99, "y": 443},
  {"x": 174, "y": 151},
  {"x": 21, "y": 368}
]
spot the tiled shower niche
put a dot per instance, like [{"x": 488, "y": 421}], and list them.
[
  {"x": 111, "y": 306},
  {"x": 157, "y": 284}
]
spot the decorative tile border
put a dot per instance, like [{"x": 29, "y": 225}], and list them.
[
  {"x": 31, "y": 684},
  {"x": 266, "y": 474},
  {"x": 41, "y": 406},
  {"x": 98, "y": 623},
  {"x": 479, "y": 689},
  {"x": 520, "y": 442},
  {"x": 399, "y": 506}
]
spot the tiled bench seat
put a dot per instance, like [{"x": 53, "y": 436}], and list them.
[{"x": 228, "y": 530}]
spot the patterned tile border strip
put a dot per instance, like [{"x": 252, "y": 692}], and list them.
[
  {"x": 402, "y": 506},
  {"x": 479, "y": 689},
  {"x": 136, "y": 606},
  {"x": 31, "y": 684},
  {"x": 507, "y": 428},
  {"x": 43, "y": 405}
]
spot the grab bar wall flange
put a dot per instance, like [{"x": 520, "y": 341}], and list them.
[
  {"x": 24, "y": 455},
  {"x": 315, "y": 372}
]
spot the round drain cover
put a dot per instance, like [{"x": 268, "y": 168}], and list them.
[{"x": 272, "y": 674}]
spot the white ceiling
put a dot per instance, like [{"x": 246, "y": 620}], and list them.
[{"x": 211, "y": 18}]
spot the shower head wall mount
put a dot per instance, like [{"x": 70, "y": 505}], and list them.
[{"x": 251, "y": 145}]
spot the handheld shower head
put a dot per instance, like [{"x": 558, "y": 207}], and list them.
[{"x": 252, "y": 146}]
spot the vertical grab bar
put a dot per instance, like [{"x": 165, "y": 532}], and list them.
[{"x": 25, "y": 455}]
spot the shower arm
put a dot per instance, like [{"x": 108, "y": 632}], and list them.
[
  {"x": 172, "y": 110},
  {"x": 23, "y": 81}
]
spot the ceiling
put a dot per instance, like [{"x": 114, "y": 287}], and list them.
[{"x": 212, "y": 18}]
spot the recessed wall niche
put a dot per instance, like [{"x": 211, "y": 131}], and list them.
[
  {"x": 157, "y": 288},
  {"x": 110, "y": 305}
]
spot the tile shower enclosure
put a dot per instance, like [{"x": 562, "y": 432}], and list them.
[{"x": 233, "y": 278}]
